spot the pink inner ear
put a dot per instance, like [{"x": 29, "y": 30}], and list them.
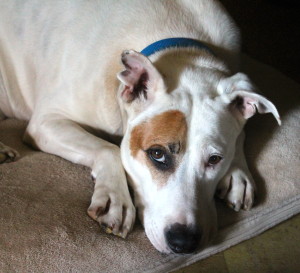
[
  {"x": 245, "y": 106},
  {"x": 132, "y": 74},
  {"x": 129, "y": 77},
  {"x": 249, "y": 108},
  {"x": 127, "y": 93},
  {"x": 140, "y": 77},
  {"x": 135, "y": 85},
  {"x": 134, "y": 69}
]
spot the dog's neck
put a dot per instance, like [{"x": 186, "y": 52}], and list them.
[
  {"x": 173, "y": 56},
  {"x": 174, "y": 43}
]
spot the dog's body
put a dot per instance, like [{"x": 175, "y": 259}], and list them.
[{"x": 181, "y": 114}]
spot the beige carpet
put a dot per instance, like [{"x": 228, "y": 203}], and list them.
[{"x": 43, "y": 199}]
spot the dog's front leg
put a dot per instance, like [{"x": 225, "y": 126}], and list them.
[
  {"x": 237, "y": 187},
  {"x": 111, "y": 203}
]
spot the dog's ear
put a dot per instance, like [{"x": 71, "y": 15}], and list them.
[
  {"x": 238, "y": 92},
  {"x": 140, "y": 78}
]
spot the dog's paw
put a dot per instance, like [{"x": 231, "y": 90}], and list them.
[
  {"x": 237, "y": 188},
  {"x": 7, "y": 154},
  {"x": 114, "y": 211}
]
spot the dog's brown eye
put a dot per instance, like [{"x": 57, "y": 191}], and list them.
[
  {"x": 157, "y": 155},
  {"x": 160, "y": 158},
  {"x": 214, "y": 159}
]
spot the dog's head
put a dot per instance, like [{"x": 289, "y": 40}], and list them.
[{"x": 178, "y": 144}]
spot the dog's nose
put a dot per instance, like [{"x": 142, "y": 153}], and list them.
[{"x": 182, "y": 239}]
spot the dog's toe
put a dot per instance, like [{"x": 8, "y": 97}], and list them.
[
  {"x": 7, "y": 154},
  {"x": 97, "y": 209},
  {"x": 237, "y": 189},
  {"x": 114, "y": 214},
  {"x": 249, "y": 196}
]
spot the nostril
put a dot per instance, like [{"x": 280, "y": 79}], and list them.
[{"x": 182, "y": 239}]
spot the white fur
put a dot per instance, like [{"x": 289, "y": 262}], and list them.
[{"x": 58, "y": 63}]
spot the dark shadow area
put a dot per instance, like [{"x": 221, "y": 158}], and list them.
[{"x": 270, "y": 34}]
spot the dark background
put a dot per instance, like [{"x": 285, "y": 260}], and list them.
[{"x": 270, "y": 32}]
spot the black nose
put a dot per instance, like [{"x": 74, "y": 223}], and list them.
[{"x": 182, "y": 238}]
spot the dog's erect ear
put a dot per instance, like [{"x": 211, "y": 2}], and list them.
[
  {"x": 140, "y": 79},
  {"x": 238, "y": 92}
]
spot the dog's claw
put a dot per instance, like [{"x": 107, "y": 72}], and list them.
[
  {"x": 236, "y": 206},
  {"x": 109, "y": 230},
  {"x": 248, "y": 203},
  {"x": 124, "y": 232},
  {"x": 122, "y": 235}
]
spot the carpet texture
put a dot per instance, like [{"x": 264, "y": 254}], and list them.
[{"x": 43, "y": 198}]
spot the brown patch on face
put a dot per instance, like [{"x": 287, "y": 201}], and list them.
[{"x": 168, "y": 131}]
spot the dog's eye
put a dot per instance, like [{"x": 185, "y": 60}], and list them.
[
  {"x": 158, "y": 155},
  {"x": 160, "y": 158},
  {"x": 214, "y": 159}
]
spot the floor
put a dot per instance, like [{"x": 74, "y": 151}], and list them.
[
  {"x": 270, "y": 32},
  {"x": 275, "y": 251}
]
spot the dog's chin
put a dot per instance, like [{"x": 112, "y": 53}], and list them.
[
  {"x": 157, "y": 238},
  {"x": 160, "y": 244},
  {"x": 155, "y": 228},
  {"x": 161, "y": 248}
]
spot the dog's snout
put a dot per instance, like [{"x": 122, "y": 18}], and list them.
[{"x": 182, "y": 239}]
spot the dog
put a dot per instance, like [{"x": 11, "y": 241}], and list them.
[{"x": 163, "y": 76}]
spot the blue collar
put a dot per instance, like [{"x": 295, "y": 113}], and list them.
[{"x": 174, "y": 42}]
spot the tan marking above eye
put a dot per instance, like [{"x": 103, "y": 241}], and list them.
[
  {"x": 164, "y": 129},
  {"x": 168, "y": 131}
]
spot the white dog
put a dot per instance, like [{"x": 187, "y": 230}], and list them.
[{"x": 177, "y": 105}]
